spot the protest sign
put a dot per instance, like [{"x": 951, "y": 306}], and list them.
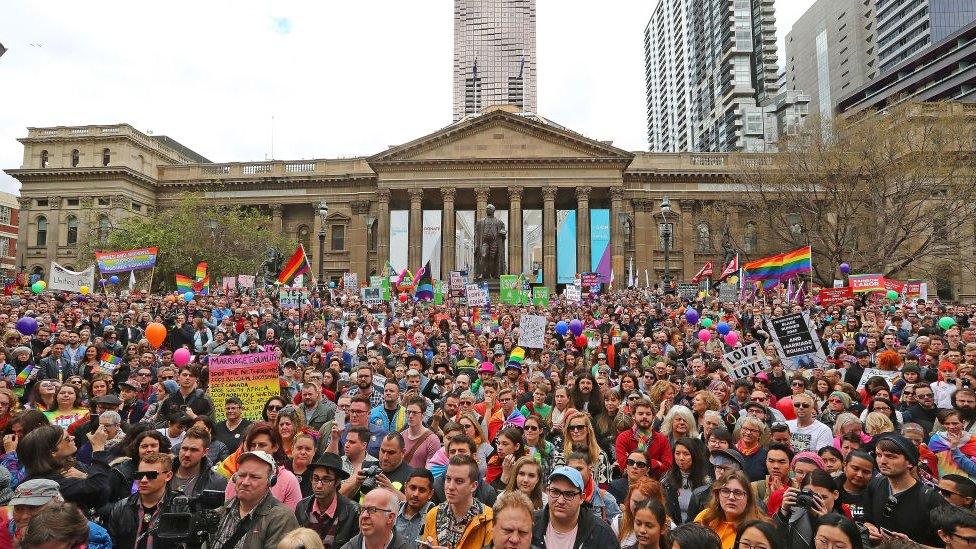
[
  {"x": 745, "y": 361},
  {"x": 573, "y": 294},
  {"x": 833, "y": 296},
  {"x": 126, "y": 260},
  {"x": 796, "y": 341},
  {"x": 913, "y": 288},
  {"x": 728, "y": 293},
  {"x": 292, "y": 298},
  {"x": 477, "y": 295},
  {"x": 372, "y": 295},
  {"x": 872, "y": 372},
  {"x": 245, "y": 281},
  {"x": 253, "y": 378},
  {"x": 864, "y": 283},
  {"x": 838, "y": 283},
  {"x": 228, "y": 283},
  {"x": 687, "y": 290},
  {"x": 533, "y": 331},
  {"x": 540, "y": 296},
  {"x": 375, "y": 281},
  {"x": 457, "y": 281},
  {"x": 350, "y": 281},
  {"x": 895, "y": 285},
  {"x": 438, "y": 292},
  {"x": 70, "y": 281},
  {"x": 509, "y": 289},
  {"x": 590, "y": 281}
]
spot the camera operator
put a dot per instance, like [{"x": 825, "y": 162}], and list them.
[
  {"x": 194, "y": 473},
  {"x": 132, "y": 521},
  {"x": 797, "y": 517},
  {"x": 253, "y": 518},
  {"x": 392, "y": 472}
]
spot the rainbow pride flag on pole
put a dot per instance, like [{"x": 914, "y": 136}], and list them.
[
  {"x": 780, "y": 266},
  {"x": 296, "y": 265},
  {"x": 184, "y": 283}
]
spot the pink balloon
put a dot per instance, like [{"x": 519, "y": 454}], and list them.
[
  {"x": 704, "y": 335},
  {"x": 731, "y": 339},
  {"x": 181, "y": 357}
]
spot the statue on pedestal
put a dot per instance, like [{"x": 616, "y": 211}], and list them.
[
  {"x": 272, "y": 265},
  {"x": 489, "y": 245}
]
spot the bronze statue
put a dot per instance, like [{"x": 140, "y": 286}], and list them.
[
  {"x": 489, "y": 245},
  {"x": 273, "y": 262},
  {"x": 728, "y": 244}
]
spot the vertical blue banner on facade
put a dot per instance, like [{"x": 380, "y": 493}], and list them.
[
  {"x": 600, "y": 244},
  {"x": 565, "y": 246}
]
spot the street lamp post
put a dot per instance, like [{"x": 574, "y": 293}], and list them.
[
  {"x": 665, "y": 231},
  {"x": 323, "y": 211}
]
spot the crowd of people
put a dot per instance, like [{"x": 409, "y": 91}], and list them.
[{"x": 413, "y": 425}]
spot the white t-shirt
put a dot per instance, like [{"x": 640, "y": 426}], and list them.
[
  {"x": 811, "y": 438},
  {"x": 559, "y": 540}
]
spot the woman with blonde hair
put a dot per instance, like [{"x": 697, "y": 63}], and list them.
[
  {"x": 679, "y": 423},
  {"x": 301, "y": 537},
  {"x": 527, "y": 479},
  {"x": 702, "y": 402},
  {"x": 623, "y": 524},
  {"x": 290, "y": 423},
  {"x": 580, "y": 437},
  {"x": 476, "y": 431},
  {"x": 733, "y": 502},
  {"x": 878, "y": 423}
]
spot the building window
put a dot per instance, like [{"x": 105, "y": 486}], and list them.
[
  {"x": 704, "y": 240},
  {"x": 41, "y": 239},
  {"x": 103, "y": 202},
  {"x": 104, "y": 225},
  {"x": 5, "y": 215},
  {"x": 750, "y": 242},
  {"x": 338, "y": 238},
  {"x": 373, "y": 233},
  {"x": 42, "y": 203},
  {"x": 72, "y": 201},
  {"x": 72, "y": 237},
  {"x": 4, "y": 247},
  {"x": 303, "y": 237},
  {"x": 75, "y": 157},
  {"x": 106, "y": 157},
  {"x": 136, "y": 207},
  {"x": 44, "y": 159}
]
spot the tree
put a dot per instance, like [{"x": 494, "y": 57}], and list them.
[
  {"x": 231, "y": 240},
  {"x": 891, "y": 193}
]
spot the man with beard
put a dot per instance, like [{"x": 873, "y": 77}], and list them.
[
  {"x": 413, "y": 511},
  {"x": 964, "y": 402},
  {"x": 643, "y": 438},
  {"x": 389, "y": 416},
  {"x": 924, "y": 412},
  {"x": 364, "y": 386}
]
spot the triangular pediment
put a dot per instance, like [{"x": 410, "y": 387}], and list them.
[{"x": 501, "y": 135}]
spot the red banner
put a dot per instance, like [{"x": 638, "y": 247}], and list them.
[
  {"x": 834, "y": 296},
  {"x": 895, "y": 285},
  {"x": 866, "y": 283},
  {"x": 913, "y": 288}
]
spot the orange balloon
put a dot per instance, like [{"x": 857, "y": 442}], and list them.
[{"x": 156, "y": 334}]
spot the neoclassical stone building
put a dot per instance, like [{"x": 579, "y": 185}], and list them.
[{"x": 571, "y": 203}]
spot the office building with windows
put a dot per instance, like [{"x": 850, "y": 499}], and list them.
[
  {"x": 494, "y": 55},
  {"x": 905, "y": 27}
]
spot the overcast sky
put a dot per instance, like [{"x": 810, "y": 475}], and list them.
[{"x": 339, "y": 78}]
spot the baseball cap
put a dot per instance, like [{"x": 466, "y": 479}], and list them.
[
  {"x": 572, "y": 475},
  {"x": 109, "y": 400},
  {"x": 258, "y": 454},
  {"x": 727, "y": 457},
  {"x": 36, "y": 492},
  {"x": 132, "y": 384}
]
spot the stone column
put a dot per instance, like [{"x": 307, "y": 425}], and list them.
[
  {"x": 414, "y": 246},
  {"x": 23, "y": 231},
  {"x": 687, "y": 238},
  {"x": 549, "y": 237},
  {"x": 515, "y": 230},
  {"x": 276, "y": 224},
  {"x": 448, "y": 244},
  {"x": 53, "y": 230},
  {"x": 583, "y": 263},
  {"x": 617, "y": 233},
  {"x": 647, "y": 236},
  {"x": 318, "y": 248},
  {"x": 383, "y": 227},
  {"x": 481, "y": 203},
  {"x": 358, "y": 236}
]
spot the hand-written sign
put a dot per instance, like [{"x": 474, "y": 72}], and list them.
[
  {"x": 477, "y": 295},
  {"x": 350, "y": 281},
  {"x": 457, "y": 282},
  {"x": 745, "y": 361},
  {"x": 253, "y": 378},
  {"x": 533, "y": 333},
  {"x": 292, "y": 298},
  {"x": 796, "y": 341},
  {"x": 890, "y": 377},
  {"x": 573, "y": 294},
  {"x": 687, "y": 290}
]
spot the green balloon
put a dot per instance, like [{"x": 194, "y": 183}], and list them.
[
  {"x": 892, "y": 295},
  {"x": 947, "y": 322},
  {"x": 37, "y": 287},
  {"x": 706, "y": 322}
]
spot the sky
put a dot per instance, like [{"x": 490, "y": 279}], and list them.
[{"x": 251, "y": 80}]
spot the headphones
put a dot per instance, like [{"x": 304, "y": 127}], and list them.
[{"x": 271, "y": 480}]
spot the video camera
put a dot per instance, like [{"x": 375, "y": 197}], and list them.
[{"x": 189, "y": 519}]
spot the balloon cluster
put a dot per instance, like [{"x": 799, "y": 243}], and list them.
[{"x": 38, "y": 286}]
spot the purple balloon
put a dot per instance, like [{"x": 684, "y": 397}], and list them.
[
  {"x": 576, "y": 327},
  {"x": 845, "y": 268},
  {"x": 691, "y": 316},
  {"x": 26, "y": 325}
]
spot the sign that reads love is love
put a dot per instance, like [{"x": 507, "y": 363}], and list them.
[
  {"x": 745, "y": 361},
  {"x": 292, "y": 298},
  {"x": 253, "y": 378}
]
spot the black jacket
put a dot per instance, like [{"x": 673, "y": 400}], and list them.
[
  {"x": 591, "y": 531},
  {"x": 347, "y": 517},
  {"x": 207, "y": 479},
  {"x": 924, "y": 417},
  {"x": 357, "y": 542},
  {"x": 58, "y": 368},
  {"x": 121, "y": 519},
  {"x": 88, "y": 492}
]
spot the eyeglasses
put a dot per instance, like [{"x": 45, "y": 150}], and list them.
[
  {"x": 635, "y": 463},
  {"x": 968, "y": 540},
  {"x": 372, "y": 510},
  {"x": 414, "y": 412},
  {"x": 732, "y": 493},
  {"x": 318, "y": 479},
  {"x": 824, "y": 543},
  {"x": 908, "y": 393},
  {"x": 151, "y": 475},
  {"x": 351, "y": 411},
  {"x": 747, "y": 545},
  {"x": 567, "y": 495},
  {"x": 576, "y": 428},
  {"x": 946, "y": 493}
]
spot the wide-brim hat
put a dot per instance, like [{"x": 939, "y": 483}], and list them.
[{"x": 330, "y": 461}]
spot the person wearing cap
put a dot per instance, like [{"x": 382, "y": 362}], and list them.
[
  {"x": 893, "y": 500},
  {"x": 330, "y": 514},
  {"x": 723, "y": 462},
  {"x": 561, "y": 524},
  {"x": 461, "y": 522},
  {"x": 133, "y": 408},
  {"x": 253, "y": 518},
  {"x": 27, "y": 501}
]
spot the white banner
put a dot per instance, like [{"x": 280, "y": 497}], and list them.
[
  {"x": 890, "y": 377},
  {"x": 292, "y": 298},
  {"x": 573, "y": 294},
  {"x": 477, "y": 296},
  {"x": 533, "y": 331},
  {"x": 745, "y": 361},
  {"x": 430, "y": 248},
  {"x": 62, "y": 279}
]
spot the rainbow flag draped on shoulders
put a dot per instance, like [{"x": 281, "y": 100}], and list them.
[{"x": 780, "y": 266}]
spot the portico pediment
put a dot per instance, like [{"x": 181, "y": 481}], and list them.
[{"x": 502, "y": 136}]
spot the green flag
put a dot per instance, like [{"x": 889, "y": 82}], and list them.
[
  {"x": 438, "y": 292},
  {"x": 509, "y": 289},
  {"x": 540, "y": 296}
]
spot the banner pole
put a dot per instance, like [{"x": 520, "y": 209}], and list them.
[{"x": 152, "y": 273}]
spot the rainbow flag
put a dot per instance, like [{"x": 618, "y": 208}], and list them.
[
  {"x": 780, "y": 266},
  {"x": 24, "y": 374},
  {"x": 296, "y": 265},
  {"x": 424, "y": 283},
  {"x": 184, "y": 283},
  {"x": 201, "y": 270}
]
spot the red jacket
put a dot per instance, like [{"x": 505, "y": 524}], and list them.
[{"x": 658, "y": 452}]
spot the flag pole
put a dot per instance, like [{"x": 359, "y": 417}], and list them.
[{"x": 151, "y": 274}]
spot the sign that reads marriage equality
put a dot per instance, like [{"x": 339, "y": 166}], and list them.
[
  {"x": 253, "y": 378},
  {"x": 796, "y": 341}
]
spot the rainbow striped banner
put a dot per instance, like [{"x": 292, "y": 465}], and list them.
[
  {"x": 780, "y": 266},
  {"x": 184, "y": 283},
  {"x": 126, "y": 260}
]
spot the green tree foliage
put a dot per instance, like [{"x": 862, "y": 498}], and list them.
[{"x": 232, "y": 241}]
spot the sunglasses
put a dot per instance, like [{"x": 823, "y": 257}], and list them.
[
  {"x": 576, "y": 428},
  {"x": 151, "y": 475},
  {"x": 801, "y": 405},
  {"x": 638, "y": 464},
  {"x": 274, "y": 408}
]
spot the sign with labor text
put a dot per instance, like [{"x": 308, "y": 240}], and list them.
[
  {"x": 687, "y": 290},
  {"x": 864, "y": 283},
  {"x": 292, "y": 298},
  {"x": 745, "y": 361},
  {"x": 796, "y": 341},
  {"x": 253, "y": 378}
]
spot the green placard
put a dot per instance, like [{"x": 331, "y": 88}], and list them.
[
  {"x": 508, "y": 289},
  {"x": 385, "y": 284},
  {"x": 540, "y": 296},
  {"x": 438, "y": 292}
]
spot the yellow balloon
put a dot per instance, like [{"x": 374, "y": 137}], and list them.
[
  {"x": 733, "y": 279},
  {"x": 42, "y": 283},
  {"x": 84, "y": 290}
]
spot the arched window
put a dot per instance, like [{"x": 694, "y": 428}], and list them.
[
  {"x": 72, "y": 236},
  {"x": 303, "y": 237},
  {"x": 104, "y": 225},
  {"x": 41, "y": 239},
  {"x": 106, "y": 157},
  {"x": 75, "y": 157},
  {"x": 44, "y": 159},
  {"x": 704, "y": 238},
  {"x": 749, "y": 240},
  {"x": 373, "y": 235}
]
